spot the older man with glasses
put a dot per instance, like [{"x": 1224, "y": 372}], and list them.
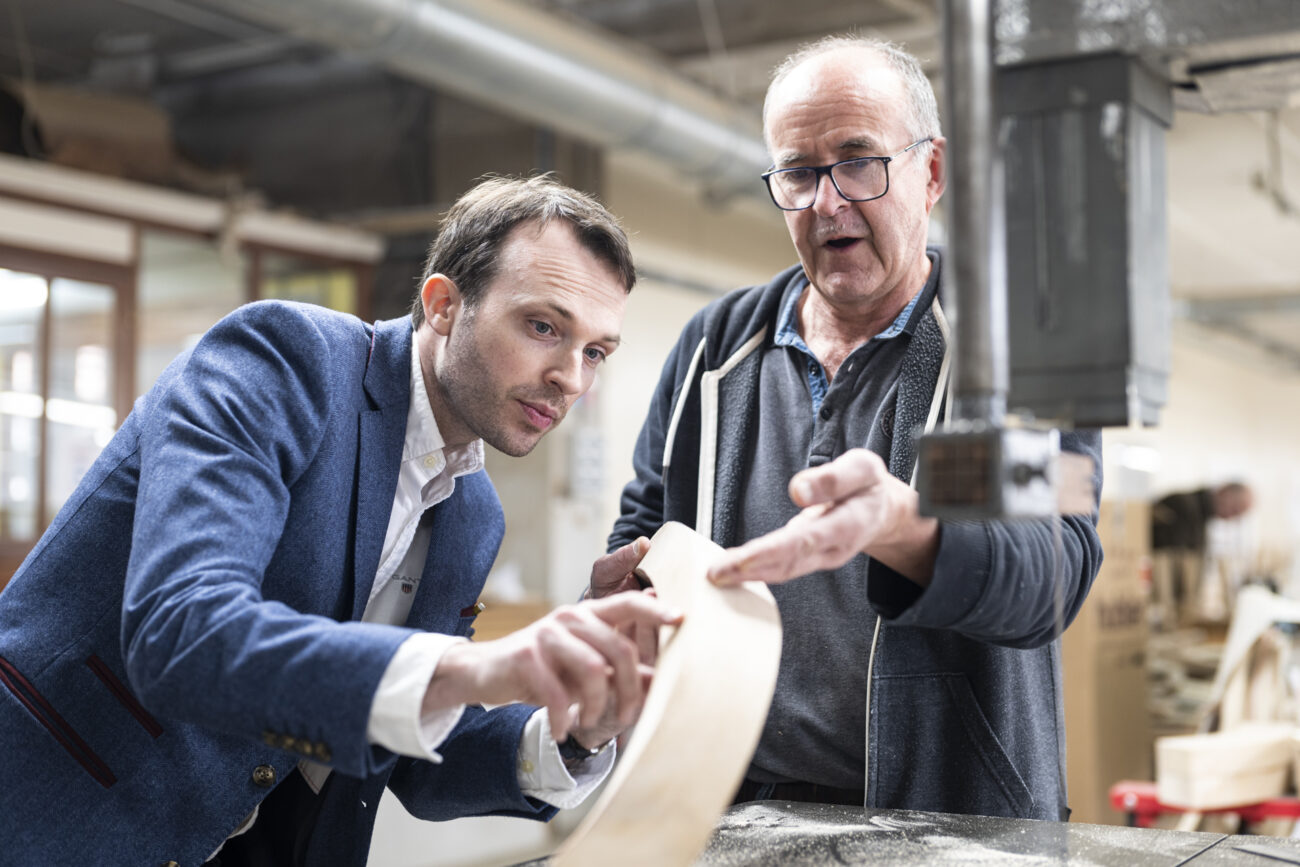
[{"x": 920, "y": 667}]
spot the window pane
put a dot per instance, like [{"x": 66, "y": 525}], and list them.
[
  {"x": 79, "y": 409},
  {"x": 292, "y": 278},
  {"x": 22, "y": 304},
  {"x": 185, "y": 285}
]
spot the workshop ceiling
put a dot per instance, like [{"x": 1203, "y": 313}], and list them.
[
  {"x": 732, "y": 45},
  {"x": 1234, "y": 179},
  {"x": 137, "y": 42}
]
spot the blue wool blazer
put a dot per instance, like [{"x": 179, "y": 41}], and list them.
[{"x": 190, "y": 619}]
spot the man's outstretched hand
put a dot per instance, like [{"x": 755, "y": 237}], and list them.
[
  {"x": 849, "y": 505},
  {"x": 576, "y": 655}
]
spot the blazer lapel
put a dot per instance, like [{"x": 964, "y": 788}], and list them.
[
  {"x": 380, "y": 439},
  {"x": 464, "y": 537},
  {"x": 436, "y": 597}
]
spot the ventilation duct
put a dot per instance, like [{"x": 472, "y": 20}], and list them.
[{"x": 536, "y": 66}]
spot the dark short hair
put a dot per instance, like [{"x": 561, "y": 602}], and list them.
[{"x": 469, "y": 242}]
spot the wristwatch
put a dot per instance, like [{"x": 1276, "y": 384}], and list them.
[{"x": 572, "y": 751}]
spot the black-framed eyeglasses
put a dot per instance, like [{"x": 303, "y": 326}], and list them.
[{"x": 859, "y": 180}]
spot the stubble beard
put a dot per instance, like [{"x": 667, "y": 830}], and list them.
[{"x": 477, "y": 399}]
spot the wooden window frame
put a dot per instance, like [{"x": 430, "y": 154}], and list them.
[{"x": 122, "y": 280}]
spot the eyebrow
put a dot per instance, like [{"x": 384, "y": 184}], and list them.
[
  {"x": 861, "y": 143},
  {"x": 858, "y": 143},
  {"x": 565, "y": 314}
]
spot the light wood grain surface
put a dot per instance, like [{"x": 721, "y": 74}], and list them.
[{"x": 703, "y": 715}]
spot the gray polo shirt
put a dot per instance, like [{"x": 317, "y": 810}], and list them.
[{"x": 815, "y": 729}]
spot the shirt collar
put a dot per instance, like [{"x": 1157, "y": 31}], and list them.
[
  {"x": 787, "y": 331},
  {"x": 422, "y": 435}
]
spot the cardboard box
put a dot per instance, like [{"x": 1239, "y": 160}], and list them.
[
  {"x": 1125, "y": 528},
  {"x": 1107, "y": 723}
]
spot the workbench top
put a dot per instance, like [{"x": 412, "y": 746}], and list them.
[{"x": 784, "y": 834}]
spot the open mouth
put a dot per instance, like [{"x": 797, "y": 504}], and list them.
[{"x": 841, "y": 243}]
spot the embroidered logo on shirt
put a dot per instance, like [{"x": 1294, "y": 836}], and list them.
[{"x": 407, "y": 583}]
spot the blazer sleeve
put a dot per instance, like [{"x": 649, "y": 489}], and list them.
[
  {"x": 477, "y": 775},
  {"x": 242, "y": 419},
  {"x": 1012, "y": 583}
]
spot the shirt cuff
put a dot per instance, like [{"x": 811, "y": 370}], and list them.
[
  {"x": 395, "y": 720},
  {"x": 541, "y": 770}
]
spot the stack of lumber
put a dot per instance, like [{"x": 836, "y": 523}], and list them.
[{"x": 1244, "y": 765}]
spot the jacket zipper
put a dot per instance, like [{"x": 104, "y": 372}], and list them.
[
  {"x": 936, "y": 402},
  {"x": 866, "y": 742}
]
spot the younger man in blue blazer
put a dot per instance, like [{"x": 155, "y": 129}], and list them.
[{"x": 247, "y": 619}]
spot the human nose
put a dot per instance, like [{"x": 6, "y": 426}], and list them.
[
  {"x": 566, "y": 373},
  {"x": 827, "y": 199}
]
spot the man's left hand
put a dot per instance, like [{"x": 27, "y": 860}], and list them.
[{"x": 849, "y": 505}]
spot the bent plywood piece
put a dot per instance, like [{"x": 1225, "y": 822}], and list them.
[
  {"x": 702, "y": 718},
  {"x": 1256, "y": 611}
]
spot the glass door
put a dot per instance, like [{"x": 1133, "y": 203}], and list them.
[
  {"x": 23, "y": 299},
  {"x": 80, "y": 417},
  {"x": 62, "y": 394}
]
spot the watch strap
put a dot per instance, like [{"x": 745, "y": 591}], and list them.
[{"x": 571, "y": 750}]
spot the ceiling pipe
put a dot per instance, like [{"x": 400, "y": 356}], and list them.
[{"x": 527, "y": 63}]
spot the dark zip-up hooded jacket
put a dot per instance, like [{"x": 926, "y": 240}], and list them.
[{"x": 964, "y": 703}]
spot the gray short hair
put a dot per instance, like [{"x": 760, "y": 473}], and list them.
[
  {"x": 923, "y": 120},
  {"x": 472, "y": 234}
]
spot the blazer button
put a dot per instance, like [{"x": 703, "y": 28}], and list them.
[
  {"x": 169, "y": 864},
  {"x": 264, "y": 776}
]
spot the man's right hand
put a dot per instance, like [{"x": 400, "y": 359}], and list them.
[{"x": 574, "y": 655}]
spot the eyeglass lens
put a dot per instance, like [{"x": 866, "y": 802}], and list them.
[{"x": 856, "y": 179}]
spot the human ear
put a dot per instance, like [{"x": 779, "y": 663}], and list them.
[
  {"x": 442, "y": 302},
  {"x": 938, "y": 170}
]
